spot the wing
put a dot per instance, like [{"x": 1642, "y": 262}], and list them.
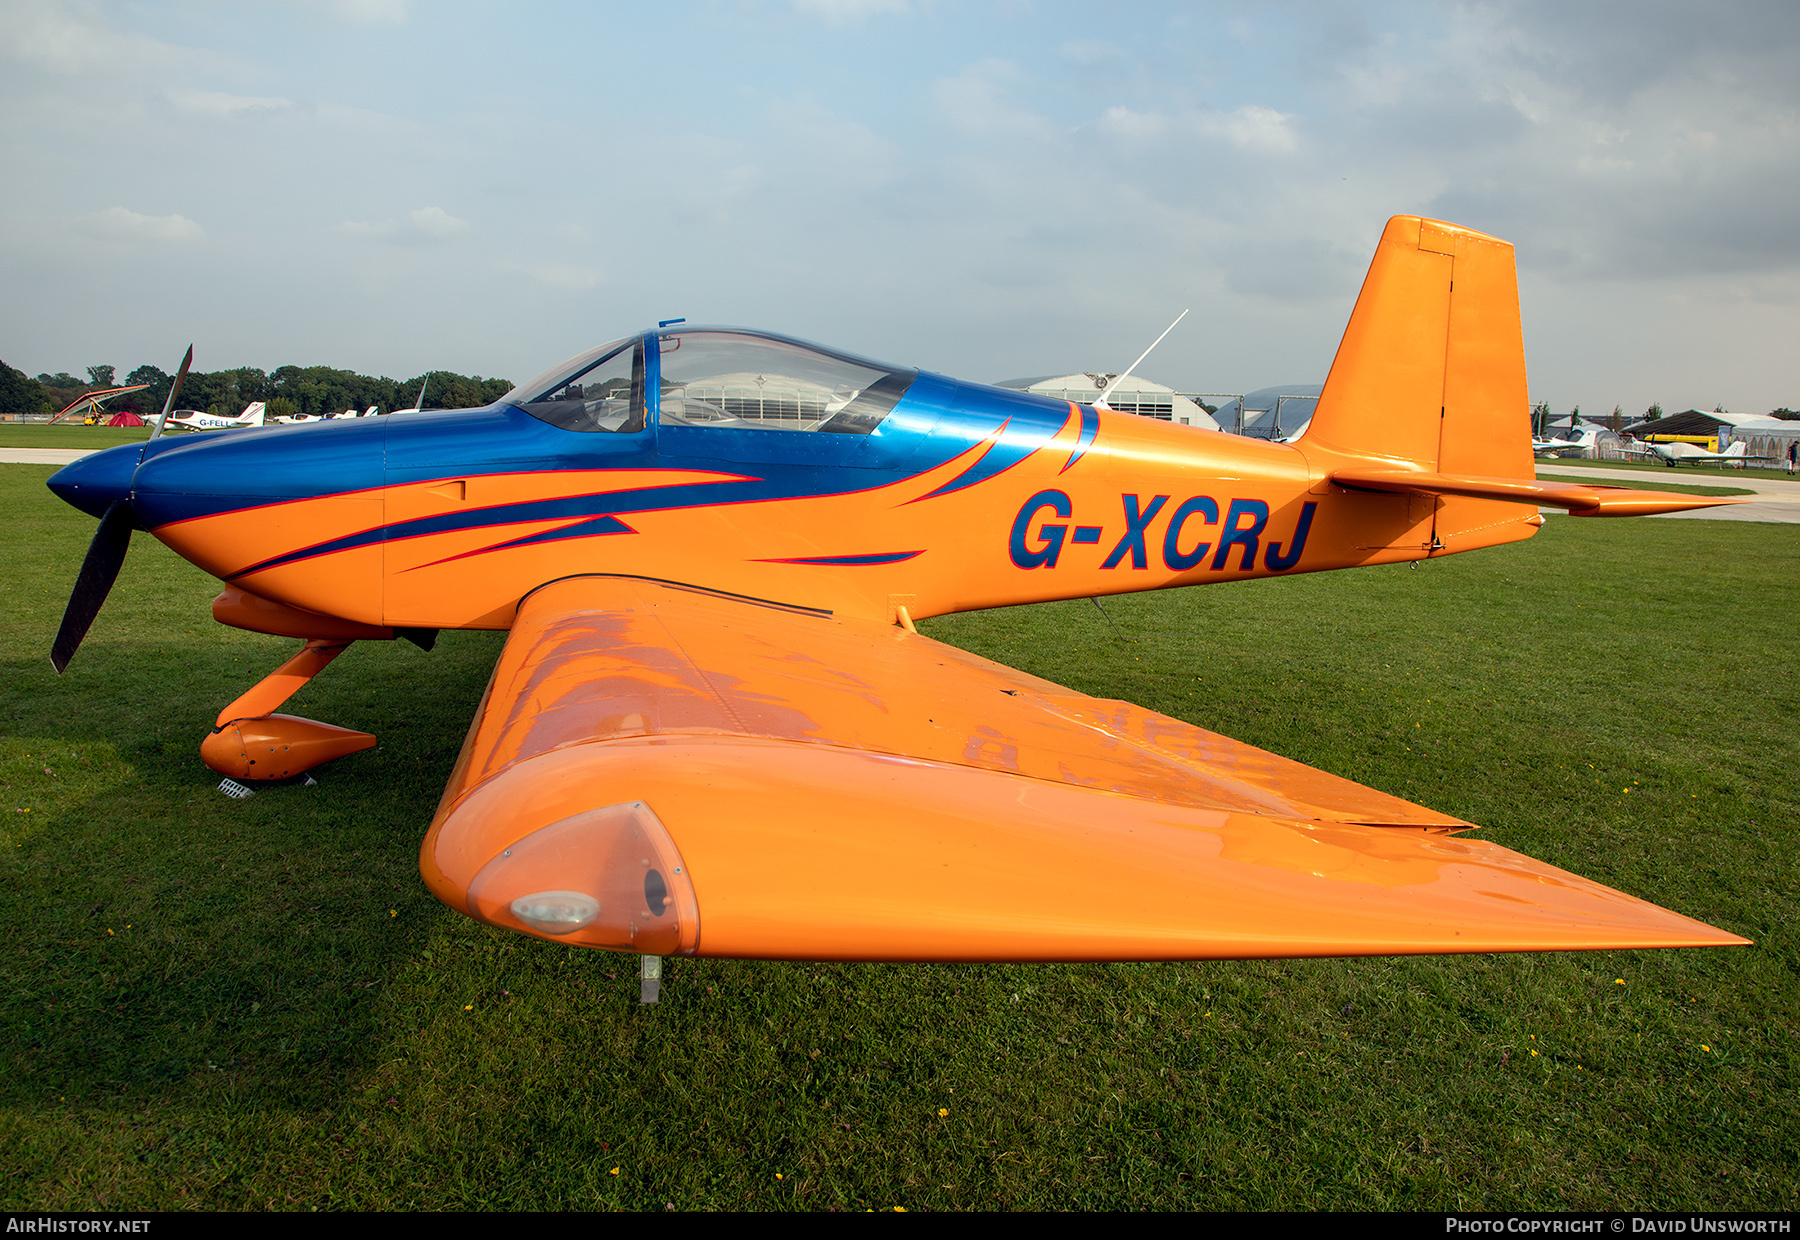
[{"x": 665, "y": 769}]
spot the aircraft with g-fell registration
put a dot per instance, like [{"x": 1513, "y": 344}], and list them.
[
  {"x": 198, "y": 420},
  {"x": 714, "y": 728}
]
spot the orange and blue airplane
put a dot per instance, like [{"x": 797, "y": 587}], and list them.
[{"x": 714, "y": 729}]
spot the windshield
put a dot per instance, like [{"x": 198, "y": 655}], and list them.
[
  {"x": 602, "y": 390},
  {"x": 749, "y": 381}
]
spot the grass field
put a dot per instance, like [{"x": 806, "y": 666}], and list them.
[
  {"x": 1640, "y": 484},
  {"x": 89, "y": 438},
  {"x": 218, "y": 1004}
]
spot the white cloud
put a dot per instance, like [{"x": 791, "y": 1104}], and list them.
[
  {"x": 1090, "y": 55},
  {"x": 363, "y": 12},
  {"x": 977, "y": 103},
  {"x": 839, "y": 12},
  {"x": 1665, "y": 147},
  {"x": 426, "y": 226},
  {"x": 1134, "y": 125},
  {"x": 123, "y": 224},
  {"x": 855, "y": 155},
  {"x": 391, "y": 11},
  {"x": 224, "y": 106},
  {"x": 366, "y": 125},
  {"x": 435, "y": 222},
  {"x": 1251, "y": 128},
  {"x": 74, "y": 38}
]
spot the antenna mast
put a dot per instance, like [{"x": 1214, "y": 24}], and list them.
[{"x": 1101, "y": 403}]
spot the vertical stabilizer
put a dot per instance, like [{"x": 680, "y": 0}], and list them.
[{"x": 1431, "y": 371}]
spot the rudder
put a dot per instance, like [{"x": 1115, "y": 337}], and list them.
[{"x": 1431, "y": 370}]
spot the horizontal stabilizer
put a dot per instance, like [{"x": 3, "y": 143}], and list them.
[{"x": 1581, "y": 500}]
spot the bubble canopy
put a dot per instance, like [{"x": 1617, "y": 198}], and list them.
[{"x": 714, "y": 377}]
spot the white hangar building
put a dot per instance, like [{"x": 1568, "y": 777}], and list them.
[{"x": 1134, "y": 395}]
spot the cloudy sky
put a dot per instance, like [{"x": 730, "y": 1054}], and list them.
[{"x": 989, "y": 189}]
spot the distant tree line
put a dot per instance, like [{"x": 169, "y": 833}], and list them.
[{"x": 289, "y": 390}]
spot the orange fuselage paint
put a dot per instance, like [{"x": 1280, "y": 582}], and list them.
[{"x": 1145, "y": 505}]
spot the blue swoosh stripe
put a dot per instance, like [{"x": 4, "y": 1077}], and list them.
[
  {"x": 850, "y": 561},
  {"x": 598, "y": 508},
  {"x": 611, "y": 525},
  {"x": 1090, "y": 426},
  {"x": 1014, "y": 444},
  {"x": 586, "y": 529}
]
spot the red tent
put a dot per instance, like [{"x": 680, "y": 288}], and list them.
[{"x": 125, "y": 419}]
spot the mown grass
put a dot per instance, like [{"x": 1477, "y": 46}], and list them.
[
  {"x": 210, "y": 1003},
  {"x": 65, "y": 435},
  {"x": 1658, "y": 485}
]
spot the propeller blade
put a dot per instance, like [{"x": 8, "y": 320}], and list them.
[
  {"x": 98, "y": 572},
  {"x": 174, "y": 391}
]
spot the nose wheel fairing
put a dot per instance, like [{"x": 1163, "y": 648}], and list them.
[
  {"x": 277, "y": 746},
  {"x": 249, "y": 741}
]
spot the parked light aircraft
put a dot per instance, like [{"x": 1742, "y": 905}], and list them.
[
  {"x": 1556, "y": 447},
  {"x": 195, "y": 420},
  {"x": 714, "y": 729},
  {"x": 294, "y": 419},
  {"x": 1553, "y": 447}
]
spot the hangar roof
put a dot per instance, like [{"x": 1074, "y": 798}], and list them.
[{"x": 1705, "y": 422}]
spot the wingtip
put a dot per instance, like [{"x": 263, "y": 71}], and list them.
[{"x": 1629, "y": 502}]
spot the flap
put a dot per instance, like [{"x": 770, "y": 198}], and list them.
[{"x": 838, "y": 790}]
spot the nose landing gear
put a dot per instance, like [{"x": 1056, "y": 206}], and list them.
[{"x": 248, "y": 742}]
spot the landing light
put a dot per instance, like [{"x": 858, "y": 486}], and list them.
[
  {"x": 609, "y": 877},
  {"x": 556, "y": 912}
]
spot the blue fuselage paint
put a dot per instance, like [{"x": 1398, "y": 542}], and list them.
[
  {"x": 206, "y": 474},
  {"x": 985, "y": 431}
]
